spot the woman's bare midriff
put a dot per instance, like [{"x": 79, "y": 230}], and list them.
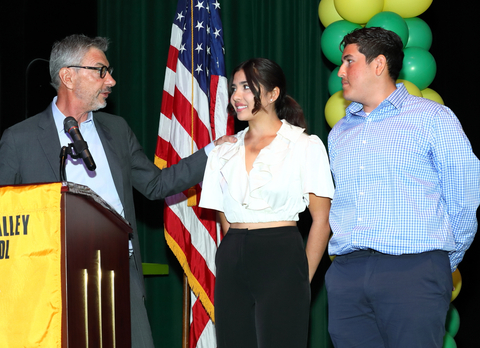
[{"x": 257, "y": 225}]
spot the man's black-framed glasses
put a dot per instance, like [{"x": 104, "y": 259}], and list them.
[{"x": 102, "y": 70}]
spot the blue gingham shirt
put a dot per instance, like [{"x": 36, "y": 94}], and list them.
[{"x": 406, "y": 179}]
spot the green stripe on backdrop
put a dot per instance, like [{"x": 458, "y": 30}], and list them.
[{"x": 283, "y": 30}]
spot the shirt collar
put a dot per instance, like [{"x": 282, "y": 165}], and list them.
[
  {"x": 395, "y": 99},
  {"x": 59, "y": 117},
  {"x": 289, "y": 131}
]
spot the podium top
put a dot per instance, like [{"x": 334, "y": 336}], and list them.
[{"x": 79, "y": 189}]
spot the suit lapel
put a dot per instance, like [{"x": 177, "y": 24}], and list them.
[
  {"x": 48, "y": 139},
  {"x": 106, "y": 137}
]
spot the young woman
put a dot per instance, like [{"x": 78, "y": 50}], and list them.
[{"x": 259, "y": 185}]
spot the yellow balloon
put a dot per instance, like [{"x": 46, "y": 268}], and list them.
[
  {"x": 358, "y": 11},
  {"x": 457, "y": 284},
  {"x": 335, "y": 108},
  {"x": 407, "y": 8},
  {"x": 432, "y": 95},
  {"x": 327, "y": 13},
  {"x": 411, "y": 88}
]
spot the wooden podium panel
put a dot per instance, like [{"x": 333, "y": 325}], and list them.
[{"x": 95, "y": 265}]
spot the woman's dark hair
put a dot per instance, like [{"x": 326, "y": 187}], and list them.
[
  {"x": 265, "y": 73},
  {"x": 372, "y": 42}
]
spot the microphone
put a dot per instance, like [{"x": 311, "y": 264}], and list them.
[{"x": 70, "y": 125}]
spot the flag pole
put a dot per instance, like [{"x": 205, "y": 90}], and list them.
[{"x": 186, "y": 313}]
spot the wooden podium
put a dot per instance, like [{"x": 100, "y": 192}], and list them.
[{"x": 95, "y": 287}]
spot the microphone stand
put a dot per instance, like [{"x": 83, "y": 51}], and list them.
[{"x": 64, "y": 152}]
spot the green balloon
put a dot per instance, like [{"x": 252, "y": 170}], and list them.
[
  {"x": 390, "y": 21},
  {"x": 334, "y": 82},
  {"x": 419, "y": 33},
  {"x": 419, "y": 67},
  {"x": 331, "y": 38},
  {"x": 448, "y": 341},
  {"x": 452, "y": 324}
]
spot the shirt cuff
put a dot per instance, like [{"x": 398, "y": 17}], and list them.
[{"x": 209, "y": 148}]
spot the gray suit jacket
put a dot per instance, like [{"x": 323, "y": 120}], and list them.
[{"x": 30, "y": 150}]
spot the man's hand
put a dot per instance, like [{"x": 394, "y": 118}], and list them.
[{"x": 224, "y": 139}]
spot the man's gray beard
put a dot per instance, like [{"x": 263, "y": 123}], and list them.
[{"x": 101, "y": 107}]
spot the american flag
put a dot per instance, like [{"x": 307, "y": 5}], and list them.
[{"x": 193, "y": 113}]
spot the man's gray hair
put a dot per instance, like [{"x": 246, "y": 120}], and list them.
[{"x": 70, "y": 51}]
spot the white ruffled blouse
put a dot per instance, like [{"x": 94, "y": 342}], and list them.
[{"x": 277, "y": 188}]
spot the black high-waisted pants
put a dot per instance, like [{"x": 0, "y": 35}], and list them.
[{"x": 262, "y": 291}]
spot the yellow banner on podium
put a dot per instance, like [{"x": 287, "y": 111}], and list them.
[{"x": 30, "y": 266}]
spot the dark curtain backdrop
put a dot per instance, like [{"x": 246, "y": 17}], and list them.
[{"x": 285, "y": 31}]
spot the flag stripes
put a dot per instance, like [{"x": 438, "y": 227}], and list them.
[{"x": 193, "y": 113}]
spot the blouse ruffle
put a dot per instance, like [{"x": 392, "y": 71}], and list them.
[
  {"x": 266, "y": 166},
  {"x": 275, "y": 189}
]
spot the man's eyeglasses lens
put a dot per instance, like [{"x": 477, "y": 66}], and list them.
[{"x": 104, "y": 69}]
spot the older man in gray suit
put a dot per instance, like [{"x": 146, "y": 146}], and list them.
[{"x": 29, "y": 151}]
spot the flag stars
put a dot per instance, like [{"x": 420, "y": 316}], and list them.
[
  {"x": 199, "y": 69},
  {"x": 182, "y": 48},
  {"x": 199, "y": 48},
  {"x": 217, "y": 33},
  {"x": 180, "y": 16},
  {"x": 199, "y": 5},
  {"x": 216, "y": 4},
  {"x": 199, "y": 25}
]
